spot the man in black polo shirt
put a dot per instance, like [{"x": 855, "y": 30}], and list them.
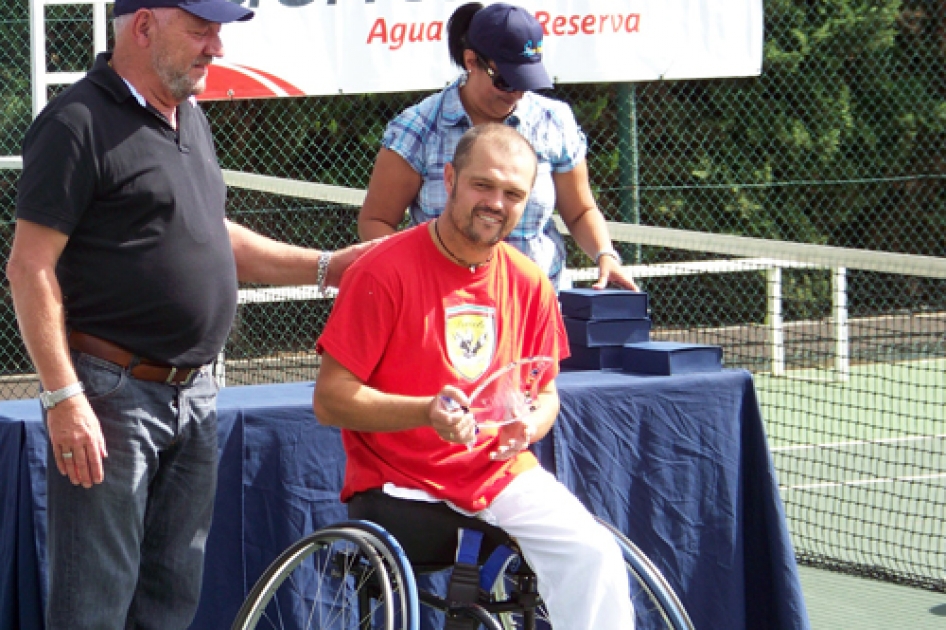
[{"x": 124, "y": 273}]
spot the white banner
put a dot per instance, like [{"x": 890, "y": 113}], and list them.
[{"x": 320, "y": 47}]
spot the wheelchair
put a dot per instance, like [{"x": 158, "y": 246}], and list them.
[{"x": 361, "y": 575}]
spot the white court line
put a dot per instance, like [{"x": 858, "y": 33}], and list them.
[
  {"x": 803, "y": 447},
  {"x": 863, "y": 482}
]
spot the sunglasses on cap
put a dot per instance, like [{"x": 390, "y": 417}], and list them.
[{"x": 498, "y": 81}]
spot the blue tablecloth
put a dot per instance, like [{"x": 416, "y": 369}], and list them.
[{"x": 678, "y": 463}]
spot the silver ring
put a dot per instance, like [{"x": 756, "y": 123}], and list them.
[{"x": 67, "y": 454}]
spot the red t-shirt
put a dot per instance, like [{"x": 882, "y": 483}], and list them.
[{"x": 408, "y": 321}]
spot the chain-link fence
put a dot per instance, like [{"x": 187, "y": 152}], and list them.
[{"x": 838, "y": 142}]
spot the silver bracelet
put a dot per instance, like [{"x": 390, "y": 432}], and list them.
[
  {"x": 324, "y": 259},
  {"x": 609, "y": 252}
]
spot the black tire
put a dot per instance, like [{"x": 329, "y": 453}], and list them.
[{"x": 318, "y": 583}]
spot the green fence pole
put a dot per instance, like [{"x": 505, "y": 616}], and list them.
[{"x": 627, "y": 157}]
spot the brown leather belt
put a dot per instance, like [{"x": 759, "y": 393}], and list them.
[{"x": 141, "y": 368}]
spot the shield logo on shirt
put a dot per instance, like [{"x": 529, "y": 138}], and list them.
[{"x": 471, "y": 339}]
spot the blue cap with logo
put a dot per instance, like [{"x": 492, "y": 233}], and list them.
[
  {"x": 512, "y": 38},
  {"x": 220, "y": 11}
]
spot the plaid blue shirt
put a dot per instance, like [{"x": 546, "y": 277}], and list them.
[{"x": 427, "y": 134}]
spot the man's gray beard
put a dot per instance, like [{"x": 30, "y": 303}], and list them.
[
  {"x": 182, "y": 87},
  {"x": 179, "y": 85}
]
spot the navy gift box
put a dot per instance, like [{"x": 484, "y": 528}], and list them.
[
  {"x": 603, "y": 304},
  {"x": 603, "y": 358},
  {"x": 596, "y": 333},
  {"x": 664, "y": 358}
]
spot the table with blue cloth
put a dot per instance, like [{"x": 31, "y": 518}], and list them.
[{"x": 680, "y": 464}]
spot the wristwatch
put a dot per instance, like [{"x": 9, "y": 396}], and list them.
[
  {"x": 609, "y": 252},
  {"x": 51, "y": 399}
]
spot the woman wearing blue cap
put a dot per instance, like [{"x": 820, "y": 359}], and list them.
[{"x": 499, "y": 47}]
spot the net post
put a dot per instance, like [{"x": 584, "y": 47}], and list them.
[
  {"x": 38, "y": 79},
  {"x": 839, "y": 305},
  {"x": 99, "y": 30},
  {"x": 773, "y": 313}
]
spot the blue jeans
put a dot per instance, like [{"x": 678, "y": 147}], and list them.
[{"x": 128, "y": 553}]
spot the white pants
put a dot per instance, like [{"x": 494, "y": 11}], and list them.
[{"x": 580, "y": 570}]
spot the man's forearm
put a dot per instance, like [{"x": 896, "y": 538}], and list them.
[
  {"x": 366, "y": 409},
  {"x": 266, "y": 261},
  {"x": 262, "y": 260},
  {"x": 40, "y": 316},
  {"x": 37, "y": 298},
  {"x": 342, "y": 400}
]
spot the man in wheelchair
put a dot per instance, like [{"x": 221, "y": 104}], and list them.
[{"x": 419, "y": 322}]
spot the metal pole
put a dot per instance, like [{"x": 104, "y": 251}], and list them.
[
  {"x": 773, "y": 294},
  {"x": 628, "y": 161},
  {"x": 99, "y": 29},
  {"x": 842, "y": 358},
  {"x": 38, "y": 55}
]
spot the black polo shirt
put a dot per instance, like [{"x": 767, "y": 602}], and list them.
[{"x": 148, "y": 264}]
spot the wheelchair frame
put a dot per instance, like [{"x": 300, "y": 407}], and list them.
[{"x": 375, "y": 588}]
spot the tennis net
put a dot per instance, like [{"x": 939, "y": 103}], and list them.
[
  {"x": 848, "y": 351},
  {"x": 847, "y": 348}
]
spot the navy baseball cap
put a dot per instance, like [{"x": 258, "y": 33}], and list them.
[
  {"x": 220, "y": 11},
  {"x": 512, "y": 38}
]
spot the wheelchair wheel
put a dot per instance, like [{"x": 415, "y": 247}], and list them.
[
  {"x": 351, "y": 576},
  {"x": 401, "y": 574},
  {"x": 656, "y": 605},
  {"x": 507, "y": 588}
]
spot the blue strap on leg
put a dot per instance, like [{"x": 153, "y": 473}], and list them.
[
  {"x": 494, "y": 565},
  {"x": 468, "y": 547}
]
